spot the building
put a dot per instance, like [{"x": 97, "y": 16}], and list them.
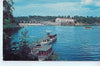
[{"x": 65, "y": 21}]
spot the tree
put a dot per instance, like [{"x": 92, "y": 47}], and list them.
[
  {"x": 68, "y": 16},
  {"x": 7, "y": 20},
  {"x": 24, "y": 49},
  {"x": 7, "y": 11}
]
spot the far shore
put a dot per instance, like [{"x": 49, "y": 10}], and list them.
[{"x": 50, "y": 24}]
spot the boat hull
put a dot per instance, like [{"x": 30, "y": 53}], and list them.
[{"x": 42, "y": 58}]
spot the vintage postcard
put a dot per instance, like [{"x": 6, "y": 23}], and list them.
[{"x": 51, "y": 30}]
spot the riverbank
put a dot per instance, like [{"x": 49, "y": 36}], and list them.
[
  {"x": 48, "y": 23},
  {"x": 8, "y": 30}
]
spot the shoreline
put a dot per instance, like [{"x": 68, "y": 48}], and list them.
[{"x": 57, "y": 25}]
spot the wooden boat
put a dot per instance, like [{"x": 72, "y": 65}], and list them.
[
  {"x": 87, "y": 27},
  {"x": 45, "y": 52},
  {"x": 49, "y": 39},
  {"x": 53, "y": 38},
  {"x": 44, "y": 49},
  {"x": 45, "y": 41}
]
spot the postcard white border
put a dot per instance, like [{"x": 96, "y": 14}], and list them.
[{"x": 37, "y": 63}]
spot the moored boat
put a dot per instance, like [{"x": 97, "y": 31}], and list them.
[
  {"x": 45, "y": 52},
  {"x": 49, "y": 39},
  {"x": 87, "y": 27},
  {"x": 44, "y": 48},
  {"x": 53, "y": 38}
]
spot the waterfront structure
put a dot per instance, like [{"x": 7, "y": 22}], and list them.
[
  {"x": 65, "y": 21},
  {"x": 29, "y": 24},
  {"x": 49, "y": 23}
]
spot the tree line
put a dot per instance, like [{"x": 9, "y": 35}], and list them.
[
  {"x": 8, "y": 30},
  {"x": 7, "y": 12},
  {"x": 81, "y": 19}
]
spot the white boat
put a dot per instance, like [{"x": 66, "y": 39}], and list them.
[
  {"x": 44, "y": 49},
  {"x": 53, "y": 38},
  {"x": 49, "y": 39},
  {"x": 45, "y": 52}
]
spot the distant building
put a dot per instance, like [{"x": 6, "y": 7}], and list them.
[{"x": 65, "y": 21}]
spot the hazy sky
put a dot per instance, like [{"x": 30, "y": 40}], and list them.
[{"x": 57, "y": 7}]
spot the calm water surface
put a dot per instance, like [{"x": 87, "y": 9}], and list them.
[{"x": 74, "y": 43}]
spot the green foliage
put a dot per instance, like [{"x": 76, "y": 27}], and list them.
[
  {"x": 7, "y": 12},
  {"x": 7, "y": 21},
  {"x": 88, "y": 19},
  {"x": 82, "y": 19},
  {"x": 68, "y": 16},
  {"x": 24, "y": 38},
  {"x": 8, "y": 26},
  {"x": 21, "y": 19},
  {"x": 24, "y": 49}
]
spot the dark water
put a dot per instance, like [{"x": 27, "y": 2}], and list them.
[{"x": 74, "y": 43}]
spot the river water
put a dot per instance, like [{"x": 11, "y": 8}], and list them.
[{"x": 74, "y": 43}]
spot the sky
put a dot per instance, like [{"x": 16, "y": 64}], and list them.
[{"x": 56, "y": 7}]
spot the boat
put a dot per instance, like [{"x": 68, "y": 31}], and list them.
[
  {"x": 43, "y": 49},
  {"x": 46, "y": 46},
  {"x": 87, "y": 27},
  {"x": 53, "y": 38},
  {"x": 44, "y": 41},
  {"x": 45, "y": 52},
  {"x": 48, "y": 39}
]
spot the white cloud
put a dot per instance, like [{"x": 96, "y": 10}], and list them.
[
  {"x": 53, "y": 9},
  {"x": 90, "y": 2},
  {"x": 97, "y": 3},
  {"x": 86, "y": 2},
  {"x": 48, "y": 9}
]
